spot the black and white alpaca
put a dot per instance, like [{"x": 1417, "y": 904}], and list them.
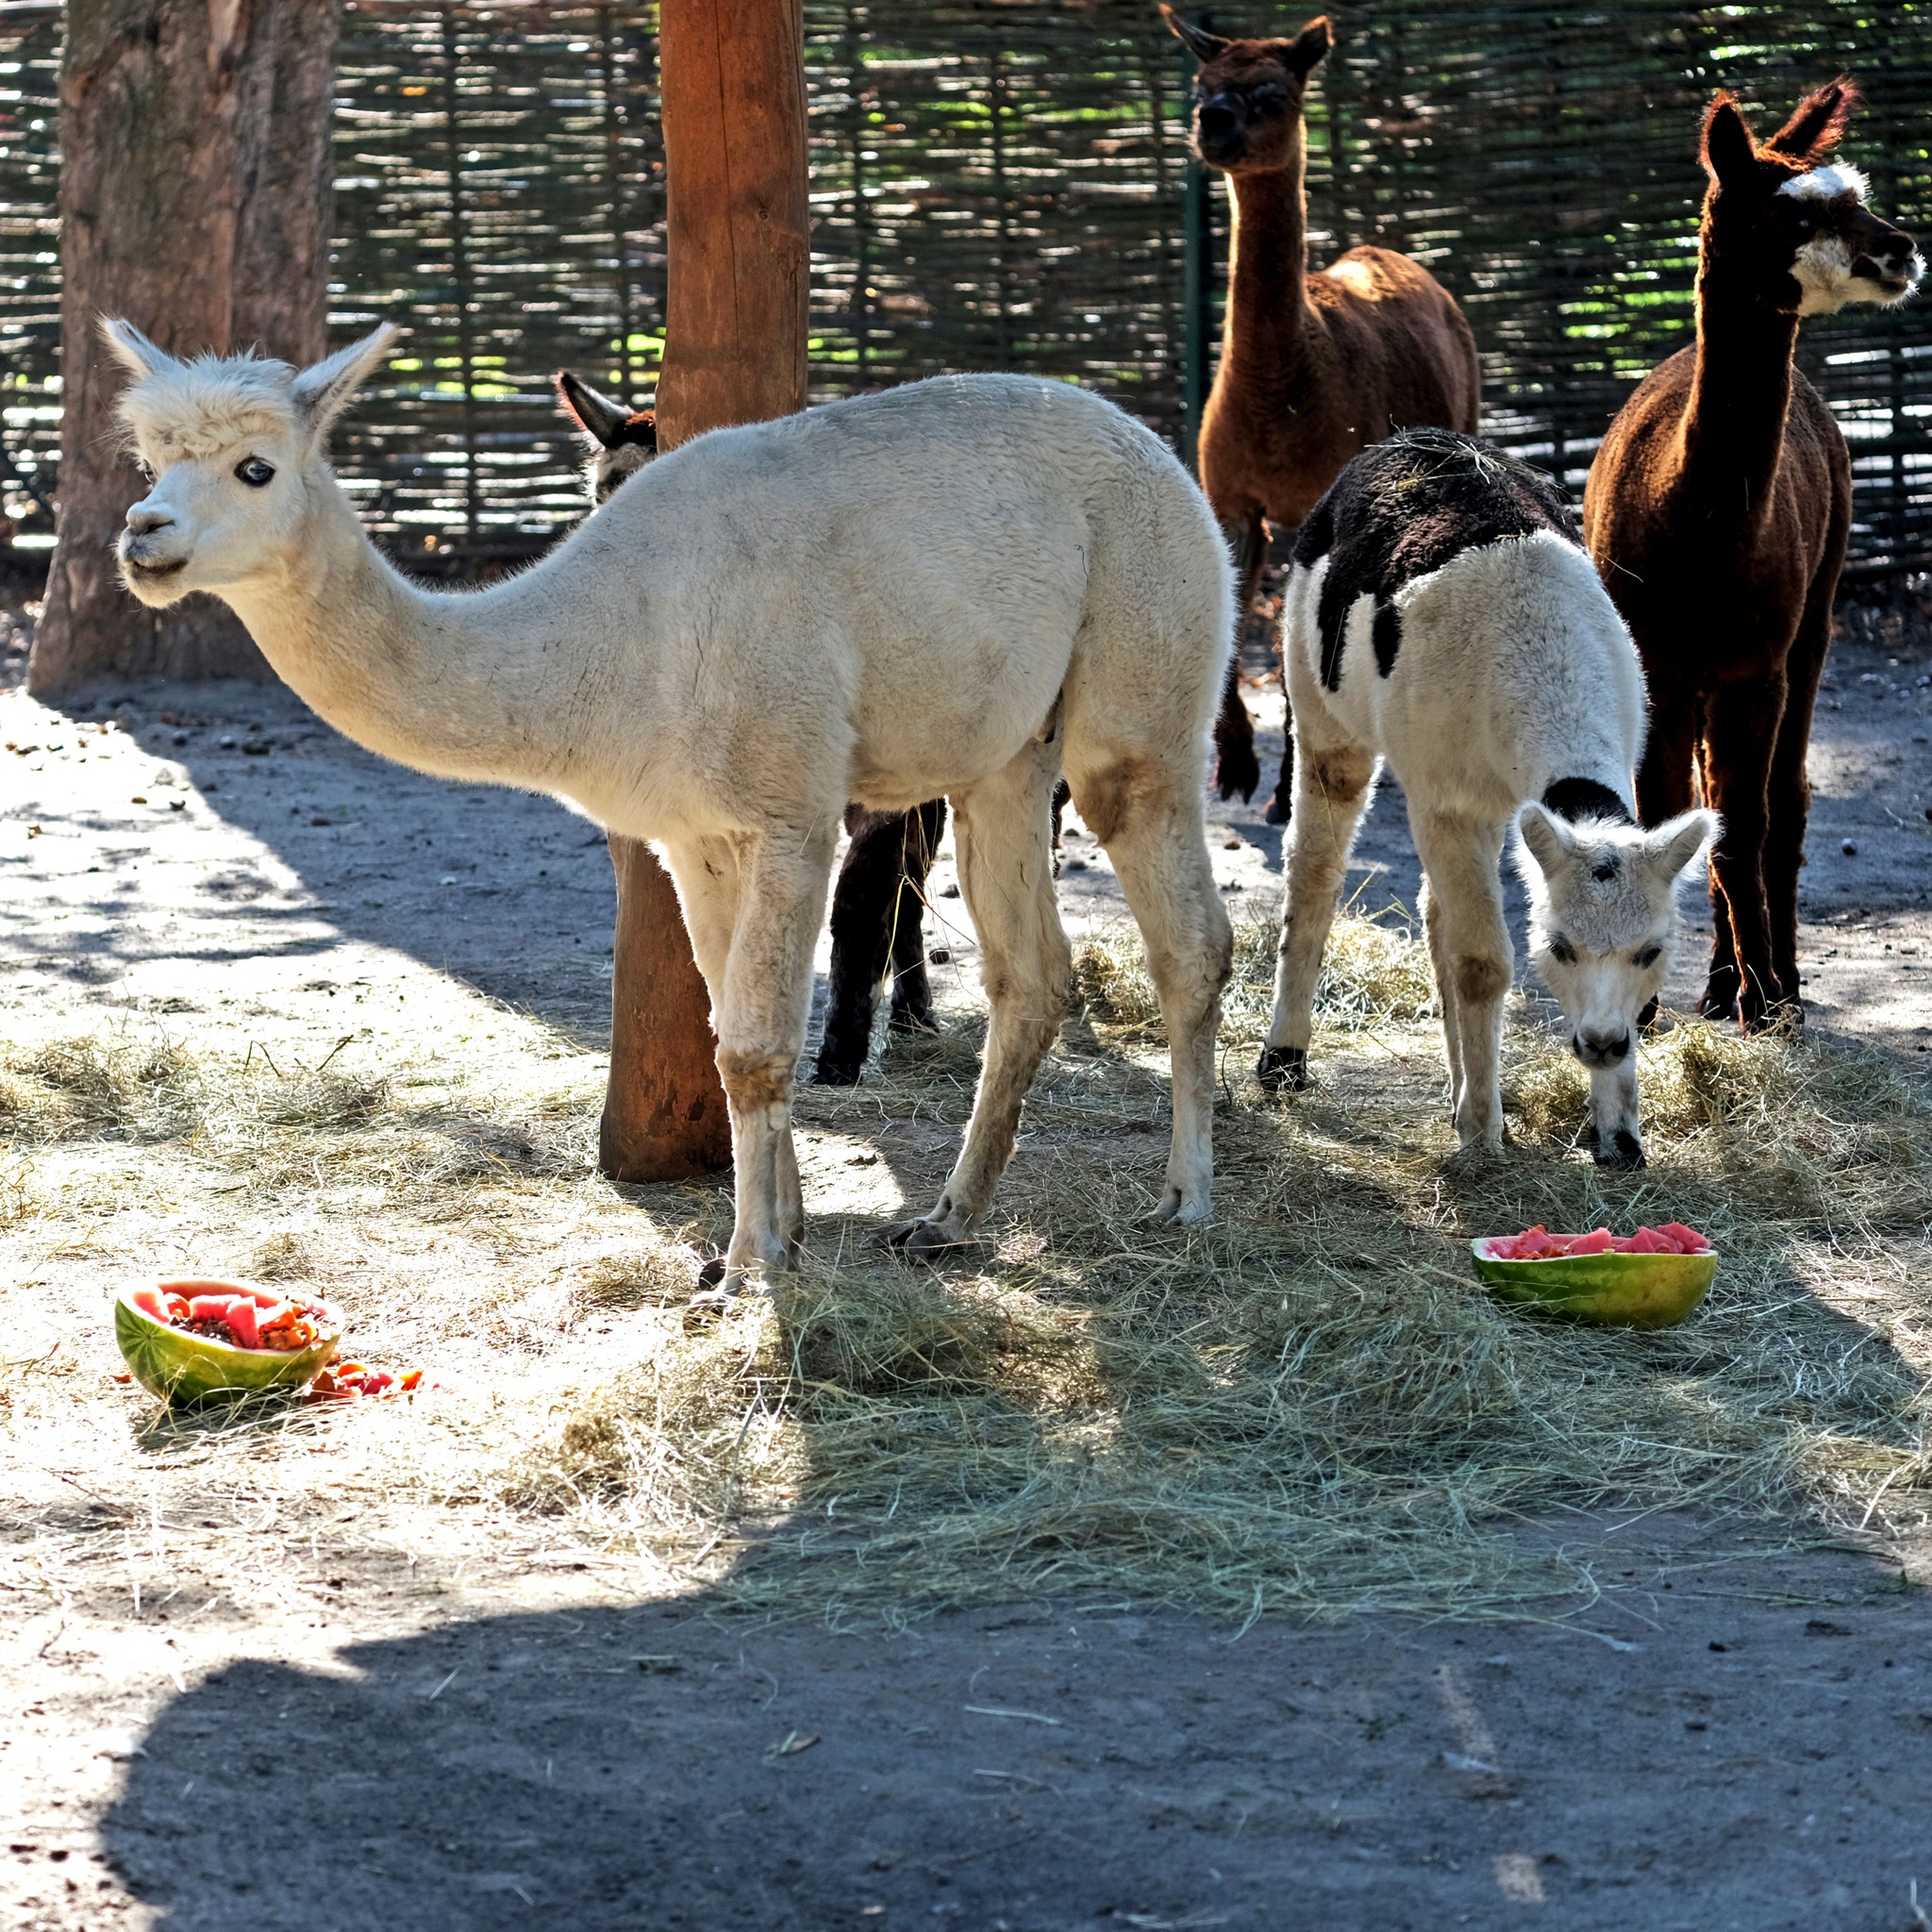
[
  {"x": 878, "y": 902},
  {"x": 1441, "y": 614}
]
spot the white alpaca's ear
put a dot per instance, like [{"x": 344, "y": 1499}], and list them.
[
  {"x": 1679, "y": 842},
  {"x": 132, "y": 349},
  {"x": 326, "y": 389},
  {"x": 1546, "y": 837}
]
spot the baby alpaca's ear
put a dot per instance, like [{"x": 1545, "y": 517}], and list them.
[
  {"x": 1678, "y": 843},
  {"x": 326, "y": 389},
  {"x": 1547, "y": 838}
]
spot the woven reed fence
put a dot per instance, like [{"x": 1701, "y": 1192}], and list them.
[{"x": 1005, "y": 183}]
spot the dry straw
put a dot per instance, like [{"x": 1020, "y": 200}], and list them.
[{"x": 1307, "y": 1404}]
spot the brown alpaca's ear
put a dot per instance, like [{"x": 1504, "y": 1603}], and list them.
[
  {"x": 1817, "y": 124},
  {"x": 600, "y": 417},
  {"x": 1727, "y": 151},
  {"x": 1305, "y": 50},
  {"x": 1203, "y": 45}
]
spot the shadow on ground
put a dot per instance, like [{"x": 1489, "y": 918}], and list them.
[{"x": 1704, "y": 1761}]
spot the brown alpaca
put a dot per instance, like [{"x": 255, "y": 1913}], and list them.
[
  {"x": 1717, "y": 510},
  {"x": 1313, "y": 367}
]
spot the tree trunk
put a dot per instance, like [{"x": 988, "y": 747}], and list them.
[
  {"x": 740, "y": 258},
  {"x": 197, "y": 141}
]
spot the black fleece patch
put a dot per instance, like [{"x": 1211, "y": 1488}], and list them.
[
  {"x": 1405, "y": 508},
  {"x": 1584, "y": 798}
]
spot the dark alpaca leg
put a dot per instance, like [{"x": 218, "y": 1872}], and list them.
[
  {"x": 1663, "y": 780},
  {"x": 1719, "y": 999},
  {"x": 1791, "y": 785},
  {"x": 863, "y": 905},
  {"x": 911, "y": 989},
  {"x": 1235, "y": 767},
  {"x": 1741, "y": 732}
]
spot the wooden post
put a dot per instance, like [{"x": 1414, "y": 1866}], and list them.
[
  {"x": 738, "y": 244},
  {"x": 197, "y": 142}
]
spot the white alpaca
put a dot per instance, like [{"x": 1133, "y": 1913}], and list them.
[
  {"x": 1441, "y": 614},
  {"x": 958, "y": 586}
]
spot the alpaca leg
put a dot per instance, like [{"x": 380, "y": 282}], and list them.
[
  {"x": 863, "y": 907},
  {"x": 1461, "y": 857},
  {"x": 1740, "y": 729},
  {"x": 1790, "y": 799},
  {"x": 1664, "y": 780},
  {"x": 1000, "y": 828},
  {"x": 1436, "y": 927},
  {"x": 760, "y": 1034},
  {"x": 1719, "y": 999},
  {"x": 1153, "y": 831},
  {"x": 911, "y": 989},
  {"x": 1331, "y": 784},
  {"x": 1235, "y": 767}
]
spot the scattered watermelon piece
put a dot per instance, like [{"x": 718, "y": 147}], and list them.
[
  {"x": 244, "y": 1322},
  {"x": 1539, "y": 1244}
]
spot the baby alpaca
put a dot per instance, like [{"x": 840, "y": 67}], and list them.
[
  {"x": 1441, "y": 615},
  {"x": 960, "y": 587},
  {"x": 879, "y": 903}
]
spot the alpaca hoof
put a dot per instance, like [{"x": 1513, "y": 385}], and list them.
[
  {"x": 1236, "y": 771},
  {"x": 1719, "y": 999},
  {"x": 1626, "y": 1150},
  {"x": 836, "y": 1073},
  {"x": 1283, "y": 1069},
  {"x": 1281, "y": 810},
  {"x": 923, "y": 1240},
  {"x": 1178, "y": 1209}
]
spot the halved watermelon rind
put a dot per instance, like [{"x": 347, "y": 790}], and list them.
[
  {"x": 1624, "y": 1291},
  {"x": 182, "y": 1367}
]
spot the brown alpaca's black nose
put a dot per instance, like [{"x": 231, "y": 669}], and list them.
[
  {"x": 146, "y": 521},
  {"x": 1217, "y": 121}
]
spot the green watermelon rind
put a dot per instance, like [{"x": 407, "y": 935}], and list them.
[
  {"x": 182, "y": 1367},
  {"x": 1621, "y": 1290}
]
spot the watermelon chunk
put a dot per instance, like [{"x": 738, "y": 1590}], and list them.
[
  {"x": 1688, "y": 1239},
  {"x": 244, "y": 1322},
  {"x": 148, "y": 1300}
]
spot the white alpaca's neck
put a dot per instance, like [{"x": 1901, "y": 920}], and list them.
[{"x": 486, "y": 685}]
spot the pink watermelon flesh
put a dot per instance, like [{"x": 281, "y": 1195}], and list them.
[
  {"x": 148, "y": 1300},
  {"x": 245, "y": 1322}
]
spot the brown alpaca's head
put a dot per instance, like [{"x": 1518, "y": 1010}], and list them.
[
  {"x": 622, "y": 440},
  {"x": 1790, "y": 224},
  {"x": 1248, "y": 95}
]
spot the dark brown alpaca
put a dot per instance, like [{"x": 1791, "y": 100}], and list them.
[
  {"x": 1313, "y": 367},
  {"x": 1717, "y": 510}
]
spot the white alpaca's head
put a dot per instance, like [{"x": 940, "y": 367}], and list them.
[
  {"x": 234, "y": 449},
  {"x": 1603, "y": 922},
  {"x": 622, "y": 440}
]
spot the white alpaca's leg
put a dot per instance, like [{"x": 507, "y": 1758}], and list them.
[
  {"x": 1331, "y": 788},
  {"x": 1460, "y": 857},
  {"x": 1003, "y": 830},
  {"x": 1435, "y": 924},
  {"x": 760, "y": 1023},
  {"x": 1154, "y": 832}
]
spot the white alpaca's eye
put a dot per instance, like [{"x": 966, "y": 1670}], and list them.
[
  {"x": 1649, "y": 956},
  {"x": 1562, "y": 950},
  {"x": 254, "y": 473}
]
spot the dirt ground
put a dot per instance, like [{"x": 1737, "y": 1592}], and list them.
[{"x": 389, "y": 1721}]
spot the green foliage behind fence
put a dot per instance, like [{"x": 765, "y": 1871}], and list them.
[{"x": 1000, "y": 183}]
